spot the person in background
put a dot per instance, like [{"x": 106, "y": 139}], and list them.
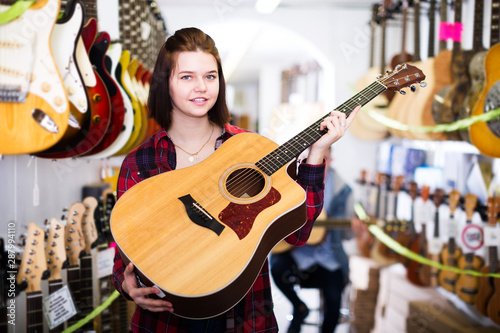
[
  {"x": 325, "y": 265},
  {"x": 187, "y": 99}
]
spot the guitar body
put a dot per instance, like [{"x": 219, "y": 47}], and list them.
[
  {"x": 468, "y": 285},
  {"x": 34, "y": 101},
  {"x": 114, "y": 54},
  {"x": 485, "y": 291},
  {"x": 443, "y": 78},
  {"x": 493, "y": 308},
  {"x": 481, "y": 135},
  {"x": 478, "y": 80},
  {"x": 117, "y": 114},
  {"x": 126, "y": 83},
  {"x": 87, "y": 129},
  {"x": 448, "y": 279},
  {"x": 135, "y": 89},
  {"x": 448, "y": 110},
  {"x": 201, "y": 265}
]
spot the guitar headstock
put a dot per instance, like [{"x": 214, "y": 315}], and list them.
[
  {"x": 54, "y": 249},
  {"x": 438, "y": 197},
  {"x": 469, "y": 205},
  {"x": 413, "y": 190},
  {"x": 88, "y": 223},
  {"x": 362, "y": 177},
  {"x": 425, "y": 192},
  {"x": 454, "y": 199},
  {"x": 33, "y": 266},
  {"x": 380, "y": 179},
  {"x": 403, "y": 76},
  {"x": 73, "y": 236},
  {"x": 493, "y": 208}
]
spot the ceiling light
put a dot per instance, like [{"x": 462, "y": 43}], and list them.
[{"x": 266, "y": 6}]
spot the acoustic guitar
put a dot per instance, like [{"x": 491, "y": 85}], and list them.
[
  {"x": 440, "y": 77},
  {"x": 32, "y": 270},
  {"x": 233, "y": 214},
  {"x": 486, "y": 136},
  {"x": 486, "y": 283},
  {"x": 437, "y": 198},
  {"x": 32, "y": 94},
  {"x": 468, "y": 285},
  {"x": 417, "y": 273},
  {"x": 56, "y": 259},
  {"x": 493, "y": 307},
  {"x": 477, "y": 70},
  {"x": 450, "y": 253}
]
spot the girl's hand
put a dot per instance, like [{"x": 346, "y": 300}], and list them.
[
  {"x": 140, "y": 294},
  {"x": 337, "y": 124}
]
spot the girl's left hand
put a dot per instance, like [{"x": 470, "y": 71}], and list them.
[{"x": 337, "y": 124}]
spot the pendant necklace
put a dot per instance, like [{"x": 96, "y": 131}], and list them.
[{"x": 194, "y": 157}]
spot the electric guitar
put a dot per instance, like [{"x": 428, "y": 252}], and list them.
[
  {"x": 32, "y": 270},
  {"x": 234, "y": 214},
  {"x": 75, "y": 248},
  {"x": 56, "y": 259},
  {"x": 450, "y": 252},
  {"x": 468, "y": 285},
  {"x": 486, "y": 283},
  {"x": 90, "y": 236},
  {"x": 32, "y": 95}
]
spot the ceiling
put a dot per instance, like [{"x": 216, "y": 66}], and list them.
[{"x": 254, "y": 45}]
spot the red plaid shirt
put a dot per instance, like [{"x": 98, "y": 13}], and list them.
[{"x": 254, "y": 313}]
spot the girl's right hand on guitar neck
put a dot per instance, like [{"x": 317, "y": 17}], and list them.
[{"x": 140, "y": 294}]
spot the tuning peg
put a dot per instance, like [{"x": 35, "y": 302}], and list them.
[
  {"x": 402, "y": 92},
  {"x": 423, "y": 84},
  {"x": 413, "y": 88},
  {"x": 397, "y": 68},
  {"x": 378, "y": 76},
  {"x": 389, "y": 71}
]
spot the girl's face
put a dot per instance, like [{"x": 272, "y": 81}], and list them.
[{"x": 194, "y": 84}]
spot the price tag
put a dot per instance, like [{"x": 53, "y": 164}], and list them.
[
  {"x": 58, "y": 307},
  {"x": 105, "y": 262},
  {"x": 491, "y": 236},
  {"x": 451, "y": 228},
  {"x": 434, "y": 246}
]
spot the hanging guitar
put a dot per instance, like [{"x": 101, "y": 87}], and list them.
[
  {"x": 493, "y": 307},
  {"x": 32, "y": 95},
  {"x": 218, "y": 217}
]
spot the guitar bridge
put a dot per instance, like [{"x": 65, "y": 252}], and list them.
[{"x": 200, "y": 216}]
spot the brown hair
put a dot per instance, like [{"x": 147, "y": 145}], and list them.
[{"x": 159, "y": 101}]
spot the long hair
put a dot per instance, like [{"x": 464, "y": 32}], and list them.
[{"x": 159, "y": 101}]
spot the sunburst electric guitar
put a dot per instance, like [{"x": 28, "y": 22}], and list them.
[{"x": 220, "y": 218}]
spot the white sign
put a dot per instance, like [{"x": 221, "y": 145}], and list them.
[
  {"x": 105, "y": 262},
  {"x": 58, "y": 307}
]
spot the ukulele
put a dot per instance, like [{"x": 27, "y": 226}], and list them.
[
  {"x": 417, "y": 273},
  {"x": 32, "y": 95},
  {"x": 392, "y": 223},
  {"x": 486, "y": 283},
  {"x": 235, "y": 214},
  {"x": 493, "y": 307},
  {"x": 407, "y": 235},
  {"x": 486, "y": 136},
  {"x": 56, "y": 259},
  {"x": 75, "y": 248},
  {"x": 450, "y": 253},
  {"x": 90, "y": 236},
  {"x": 468, "y": 285},
  {"x": 437, "y": 198},
  {"x": 32, "y": 270}
]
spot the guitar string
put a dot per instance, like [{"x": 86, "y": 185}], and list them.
[
  {"x": 243, "y": 176},
  {"x": 249, "y": 178}
]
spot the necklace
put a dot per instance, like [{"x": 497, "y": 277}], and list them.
[{"x": 195, "y": 157}]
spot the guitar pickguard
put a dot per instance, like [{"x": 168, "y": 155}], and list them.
[
  {"x": 241, "y": 218},
  {"x": 492, "y": 102}
]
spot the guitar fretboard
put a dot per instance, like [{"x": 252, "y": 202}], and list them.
[
  {"x": 34, "y": 313},
  {"x": 293, "y": 147},
  {"x": 86, "y": 290},
  {"x": 74, "y": 285}
]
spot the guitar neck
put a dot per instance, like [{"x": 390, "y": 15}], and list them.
[
  {"x": 90, "y": 8},
  {"x": 432, "y": 29},
  {"x": 292, "y": 148},
  {"x": 477, "y": 41},
  {"x": 493, "y": 259},
  {"x": 457, "y": 44},
  {"x": 333, "y": 223},
  {"x": 443, "y": 17},
  {"x": 55, "y": 285},
  {"x": 86, "y": 290},
  {"x": 34, "y": 313},
  {"x": 416, "y": 54},
  {"x": 451, "y": 251},
  {"x": 74, "y": 285},
  {"x": 495, "y": 23},
  {"x": 436, "y": 223}
]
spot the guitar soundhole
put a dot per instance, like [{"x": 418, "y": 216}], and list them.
[
  {"x": 245, "y": 183},
  {"x": 492, "y": 102}
]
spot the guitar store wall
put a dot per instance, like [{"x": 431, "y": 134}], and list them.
[{"x": 340, "y": 34}]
